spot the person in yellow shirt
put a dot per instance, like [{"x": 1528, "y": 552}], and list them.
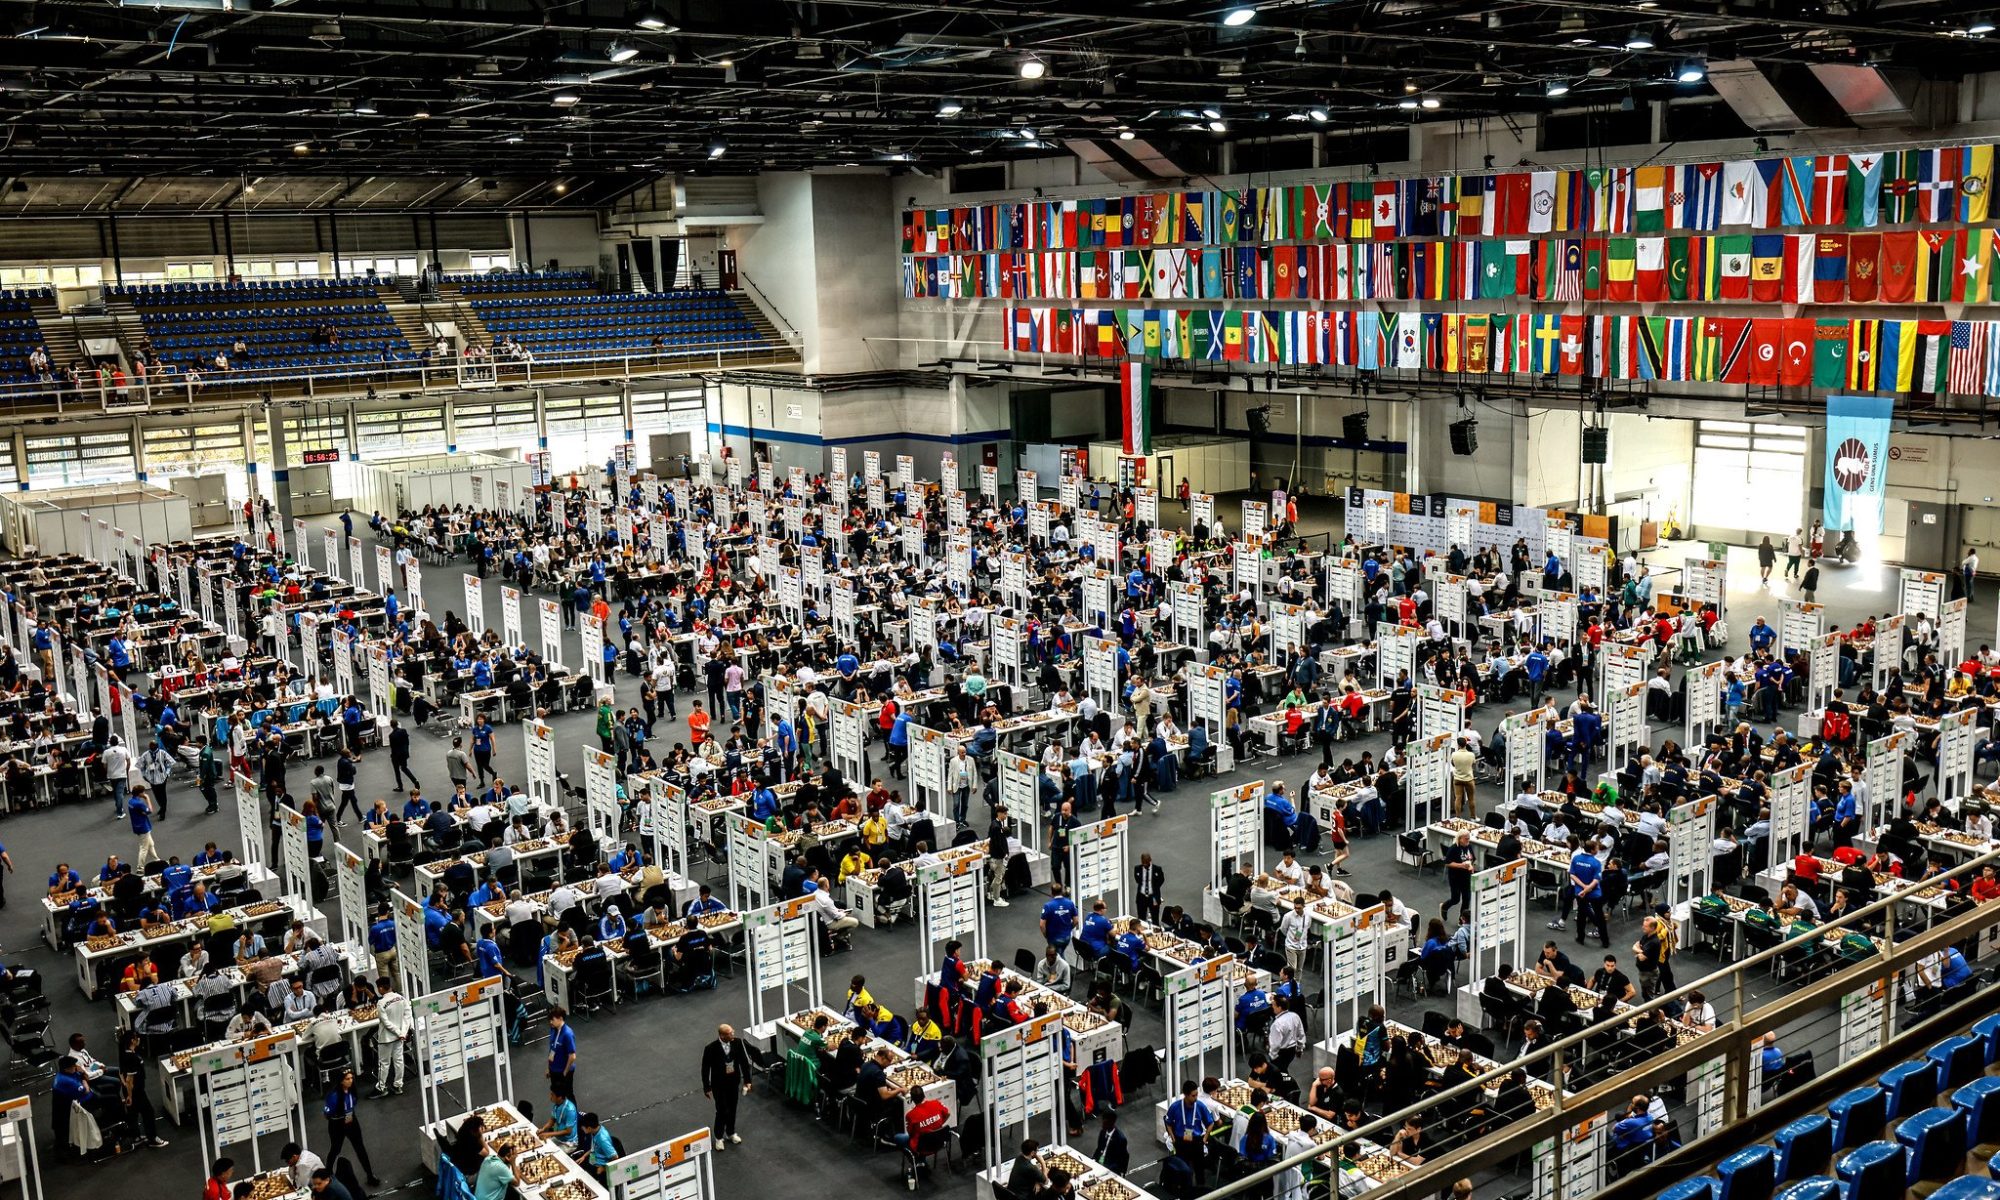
[
  {"x": 853, "y": 862},
  {"x": 874, "y": 832},
  {"x": 925, "y": 1034}
]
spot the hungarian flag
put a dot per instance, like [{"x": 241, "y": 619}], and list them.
[
  {"x": 1767, "y": 267},
  {"x": 1830, "y": 269},
  {"x": 1864, "y": 251},
  {"x": 1829, "y": 352},
  {"x": 1767, "y": 351},
  {"x": 1899, "y": 267},
  {"x": 1734, "y": 251},
  {"x": 1795, "y": 356}
]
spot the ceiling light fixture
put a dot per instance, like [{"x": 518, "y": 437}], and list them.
[
  {"x": 1210, "y": 113},
  {"x": 1033, "y": 68},
  {"x": 1126, "y": 135},
  {"x": 1239, "y": 16},
  {"x": 565, "y": 98},
  {"x": 950, "y": 108},
  {"x": 1557, "y": 87},
  {"x": 513, "y": 139},
  {"x": 646, "y": 17},
  {"x": 561, "y": 188},
  {"x": 1639, "y": 39},
  {"x": 328, "y": 32},
  {"x": 1217, "y": 127},
  {"x": 1316, "y": 115},
  {"x": 301, "y": 148},
  {"x": 717, "y": 148},
  {"x": 1980, "y": 27},
  {"x": 1408, "y": 104},
  {"x": 621, "y": 52},
  {"x": 366, "y": 106},
  {"x": 1432, "y": 102},
  {"x": 1691, "y": 72},
  {"x": 423, "y": 112}
]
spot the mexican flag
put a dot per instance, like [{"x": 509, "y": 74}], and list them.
[{"x": 1135, "y": 389}]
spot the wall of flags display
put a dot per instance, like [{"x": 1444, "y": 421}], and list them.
[
  {"x": 1810, "y": 229},
  {"x": 1851, "y": 354}
]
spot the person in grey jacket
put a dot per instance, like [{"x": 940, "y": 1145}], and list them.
[{"x": 156, "y": 766}]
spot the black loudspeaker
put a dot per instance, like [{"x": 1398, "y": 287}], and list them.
[
  {"x": 1354, "y": 427},
  {"x": 1595, "y": 446},
  {"x": 1464, "y": 436},
  {"x": 1260, "y": 419}
]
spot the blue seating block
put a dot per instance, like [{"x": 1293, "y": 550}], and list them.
[
  {"x": 1813, "y": 1187},
  {"x": 1701, "y": 1187},
  {"x": 1935, "y": 1139},
  {"x": 1858, "y": 1116},
  {"x": 1912, "y": 1086},
  {"x": 1875, "y": 1172},
  {"x": 1748, "y": 1174},
  {"x": 1804, "y": 1146}
]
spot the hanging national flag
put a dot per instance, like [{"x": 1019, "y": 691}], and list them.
[
  {"x": 1795, "y": 191},
  {"x": 1569, "y": 279},
  {"x": 1478, "y": 335},
  {"x": 1969, "y": 343},
  {"x": 1696, "y": 204},
  {"x": 1939, "y": 256},
  {"x": 1620, "y": 269},
  {"x": 1899, "y": 267},
  {"x": 1516, "y": 202},
  {"x": 1682, "y": 282},
  {"x": 1937, "y": 189},
  {"x": 1864, "y": 252},
  {"x": 1649, "y": 199},
  {"x": 1864, "y": 354},
  {"x": 1830, "y": 269},
  {"x": 1734, "y": 251},
  {"x": 1384, "y": 210},
  {"x": 1902, "y": 177},
  {"x": 1767, "y": 351},
  {"x": 1864, "y": 190},
  {"x": 1725, "y": 350},
  {"x": 1829, "y": 353},
  {"x": 1496, "y": 271},
  {"x": 1795, "y": 367},
  {"x": 1744, "y": 195},
  {"x": 1975, "y": 183},
  {"x": 1135, "y": 394},
  {"x": 1541, "y": 201},
  {"x": 1767, "y": 267},
  {"x": 1829, "y": 193},
  {"x": 1408, "y": 341},
  {"x": 1594, "y": 252},
  {"x": 1649, "y": 274},
  {"x": 1571, "y": 346}
]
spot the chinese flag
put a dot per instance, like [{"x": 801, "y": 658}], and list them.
[
  {"x": 1864, "y": 253},
  {"x": 1795, "y": 354},
  {"x": 1516, "y": 196},
  {"x": 1899, "y": 266},
  {"x": 1767, "y": 337}
]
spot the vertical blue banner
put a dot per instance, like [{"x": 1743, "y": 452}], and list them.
[{"x": 1857, "y": 461}]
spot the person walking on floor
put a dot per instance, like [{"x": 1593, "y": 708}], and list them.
[
  {"x": 139, "y": 807},
  {"x": 725, "y": 1078},
  {"x": 1795, "y": 546},
  {"x": 1767, "y": 558},
  {"x": 343, "y": 1126},
  {"x": 1809, "y": 584},
  {"x": 156, "y": 766},
  {"x": 399, "y": 755}
]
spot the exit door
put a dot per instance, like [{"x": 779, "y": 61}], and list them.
[
  {"x": 1924, "y": 544},
  {"x": 725, "y": 266}
]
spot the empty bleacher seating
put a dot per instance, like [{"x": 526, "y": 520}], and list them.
[
  {"x": 20, "y": 333},
  {"x": 562, "y": 325},
  {"x": 282, "y": 324}
]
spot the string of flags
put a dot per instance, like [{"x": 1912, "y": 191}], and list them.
[{"x": 1853, "y": 354}]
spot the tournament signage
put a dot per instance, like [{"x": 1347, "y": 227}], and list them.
[{"x": 1857, "y": 462}]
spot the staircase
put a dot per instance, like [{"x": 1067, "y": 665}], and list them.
[
  {"x": 58, "y": 334},
  {"x": 469, "y": 323},
  {"x": 761, "y": 321},
  {"x": 409, "y": 320}
]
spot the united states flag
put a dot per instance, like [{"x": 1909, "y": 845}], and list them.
[{"x": 1967, "y": 373}]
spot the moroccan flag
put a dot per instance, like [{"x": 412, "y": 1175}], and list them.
[
  {"x": 1899, "y": 267},
  {"x": 1767, "y": 267},
  {"x": 1795, "y": 364},
  {"x": 1975, "y": 184},
  {"x": 1830, "y": 353},
  {"x": 1864, "y": 252},
  {"x": 1135, "y": 394},
  {"x": 1767, "y": 351},
  {"x": 1649, "y": 271},
  {"x": 1830, "y": 269},
  {"x": 1620, "y": 269},
  {"x": 1734, "y": 251},
  {"x": 1864, "y": 354}
]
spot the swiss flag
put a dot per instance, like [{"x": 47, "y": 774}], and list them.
[
  {"x": 1767, "y": 344},
  {"x": 1795, "y": 352},
  {"x": 1570, "y": 349}
]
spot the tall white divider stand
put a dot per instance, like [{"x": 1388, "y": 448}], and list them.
[
  {"x": 1527, "y": 751},
  {"x": 1021, "y": 1083},
  {"x": 1100, "y": 671},
  {"x": 330, "y": 549},
  {"x": 456, "y": 1030},
  {"x": 600, "y": 795},
  {"x": 1427, "y": 779},
  {"x": 1704, "y": 702},
  {"x": 1958, "y": 735},
  {"x": 1206, "y": 688},
  {"x": 951, "y": 903},
  {"x": 1020, "y": 782},
  {"x": 475, "y": 603},
  {"x": 1625, "y": 724},
  {"x": 1799, "y": 622},
  {"x": 413, "y": 959},
  {"x": 350, "y": 879},
  {"x": 295, "y": 860},
  {"x": 343, "y": 661},
  {"x": 849, "y": 743},
  {"x": 681, "y": 1168},
  {"x": 548, "y": 616},
  {"x": 783, "y": 954},
  {"x": 1822, "y": 674},
  {"x": 299, "y": 543},
  {"x": 249, "y": 820},
  {"x": 381, "y": 693},
  {"x": 1499, "y": 917},
  {"x": 1099, "y": 862},
  {"x": 309, "y": 624},
  {"x": 1201, "y": 1002},
  {"x": 19, "y": 1158},
  {"x": 1395, "y": 651},
  {"x": 749, "y": 872},
  {"x": 356, "y": 560},
  {"x": 1791, "y": 793},
  {"x": 413, "y": 573},
  {"x": 1883, "y": 777},
  {"x": 385, "y": 570},
  {"x": 929, "y": 752},
  {"x": 510, "y": 616},
  {"x": 1354, "y": 952},
  {"x": 669, "y": 820},
  {"x": 246, "y": 1092},
  {"x": 1951, "y": 633},
  {"x": 1619, "y": 665},
  {"x": 1440, "y": 710},
  {"x": 1888, "y": 649},
  {"x": 1235, "y": 839},
  {"x": 591, "y": 629},
  {"x": 1690, "y": 859},
  {"x": 541, "y": 747}
]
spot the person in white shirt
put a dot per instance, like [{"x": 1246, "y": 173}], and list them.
[
  {"x": 563, "y": 899},
  {"x": 299, "y": 1001},
  {"x": 1289, "y": 868},
  {"x": 834, "y": 918},
  {"x": 520, "y": 908},
  {"x": 609, "y": 884},
  {"x": 1287, "y": 1035},
  {"x": 1556, "y": 831},
  {"x": 302, "y": 1164},
  {"x": 1529, "y": 799},
  {"x": 1295, "y": 930},
  {"x": 1650, "y": 823},
  {"x": 392, "y": 1034}
]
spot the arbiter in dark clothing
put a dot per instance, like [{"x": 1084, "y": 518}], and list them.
[{"x": 725, "y": 1077}]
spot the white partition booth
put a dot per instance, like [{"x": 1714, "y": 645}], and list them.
[
  {"x": 48, "y": 522},
  {"x": 478, "y": 480}
]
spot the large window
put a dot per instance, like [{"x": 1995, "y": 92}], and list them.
[
  {"x": 381, "y": 266},
  {"x": 492, "y": 262},
  {"x": 193, "y": 449},
  {"x": 62, "y": 277},
  {"x": 182, "y": 271},
  {"x": 401, "y": 431},
  {"x": 56, "y": 459},
  {"x": 488, "y": 425},
  {"x": 1749, "y": 476},
  {"x": 278, "y": 268}
]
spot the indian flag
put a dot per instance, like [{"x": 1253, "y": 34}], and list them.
[{"x": 1135, "y": 389}]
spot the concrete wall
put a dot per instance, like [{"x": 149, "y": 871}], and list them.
[
  {"x": 572, "y": 241},
  {"x": 778, "y": 255},
  {"x": 860, "y": 287}
]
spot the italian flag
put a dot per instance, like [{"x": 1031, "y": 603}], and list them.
[{"x": 1135, "y": 388}]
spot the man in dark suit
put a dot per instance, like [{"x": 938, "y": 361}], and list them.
[
  {"x": 1147, "y": 881},
  {"x": 1112, "y": 1150},
  {"x": 725, "y": 1077}
]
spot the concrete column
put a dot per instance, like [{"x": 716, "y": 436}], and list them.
[
  {"x": 20, "y": 441},
  {"x": 250, "y": 451},
  {"x": 625, "y": 388},
  {"x": 353, "y": 426},
  {"x": 281, "y": 468},
  {"x": 451, "y": 425},
  {"x": 139, "y": 450},
  {"x": 541, "y": 420}
]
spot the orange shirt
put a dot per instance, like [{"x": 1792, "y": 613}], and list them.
[{"x": 698, "y": 726}]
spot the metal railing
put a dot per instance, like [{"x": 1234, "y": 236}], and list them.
[{"x": 1733, "y": 1048}]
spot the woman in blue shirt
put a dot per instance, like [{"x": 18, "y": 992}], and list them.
[
  {"x": 1259, "y": 1148},
  {"x": 343, "y": 1126}
]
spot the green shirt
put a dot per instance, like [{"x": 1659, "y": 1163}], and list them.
[{"x": 494, "y": 1176}]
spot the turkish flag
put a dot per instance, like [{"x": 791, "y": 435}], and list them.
[
  {"x": 1767, "y": 344},
  {"x": 1864, "y": 267},
  {"x": 1899, "y": 266},
  {"x": 1795, "y": 353},
  {"x": 1570, "y": 349}
]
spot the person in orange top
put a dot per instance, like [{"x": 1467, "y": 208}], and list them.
[
  {"x": 1987, "y": 886},
  {"x": 697, "y": 724},
  {"x": 601, "y": 610}
]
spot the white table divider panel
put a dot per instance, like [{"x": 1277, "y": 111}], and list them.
[
  {"x": 232, "y": 608},
  {"x": 1014, "y": 578},
  {"x": 1951, "y": 634},
  {"x": 1184, "y": 610},
  {"x": 1100, "y": 862},
  {"x": 913, "y": 537},
  {"x": 593, "y": 524},
  {"x": 356, "y": 560},
  {"x": 1200, "y": 1018},
  {"x": 1690, "y": 853},
  {"x": 782, "y": 953},
  {"x": 951, "y": 903},
  {"x": 299, "y": 543},
  {"x": 1256, "y": 518},
  {"x": 413, "y": 959},
  {"x": 1146, "y": 505},
  {"x": 780, "y": 704},
  {"x": 128, "y": 712},
  {"x": 1499, "y": 923},
  {"x": 792, "y": 594},
  {"x": 1201, "y": 511},
  {"x": 1288, "y": 624},
  {"x": 205, "y": 593},
  {"x": 19, "y": 1157},
  {"x": 80, "y": 684},
  {"x": 1353, "y": 956},
  {"x": 455, "y": 1031},
  {"x": 843, "y": 610},
  {"x": 540, "y": 743},
  {"x": 989, "y": 483},
  {"x": 549, "y": 617},
  {"x": 1020, "y": 780},
  {"x": 1526, "y": 749},
  {"x": 475, "y": 604},
  {"x": 813, "y": 560},
  {"x": 681, "y": 1168},
  {"x": 510, "y": 616},
  {"x": 732, "y": 473},
  {"x": 1799, "y": 623},
  {"x": 1864, "y": 1013},
  {"x": 1883, "y": 777},
  {"x": 1706, "y": 581},
  {"x": 1427, "y": 778},
  {"x": 330, "y": 549},
  {"x": 600, "y": 795},
  {"x": 246, "y": 1092},
  {"x": 1449, "y": 603},
  {"x": 1021, "y": 1081},
  {"x": 1704, "y": 702},
  {"x": 929, "y": 749},
  {"x": 1041, "y": 515},
  {"x": 1589, "y": 568},
  {"x": 621, "y": 524},
  {"x": 1822, "y": 670},
  {"x": 923, "y": 624},
  {"x": 591, "y": 630},
  {"x": 1626, "y": 732},
  {"x": 1346, "y": 589},
  {"x": 848, "y": 740},
  {"x": 1458, "y": 523},
  {"x": 380, "y": 691},
  {"x": 1958, "y": 735},
  {"x": 1098, "y": 589},
  {"x": 1791, "y": 833},
  {"x": 749, "y": 870},
  {"x": 1579, "y": 1173},
  {"x": 1066, "y": 492},
  {"x": 1558, "y": 617},
  {"x": 1888, "y": 649},
  {"x": 1395, "y": 651},
  {"x": 1247, "y": 566},
  {"x": 958, "y": 563},
  {"x": 1440, "y": 710},
  {"x": 350, "y": 880},
  {"x": 1558, "y": 538},
  {"x": 665, "y": 808},
  {"x": 1235, "y": 832},
  {"x": 249, "y": 820},
  {"x": 1160, "y": 550},
  {"x": 906, "y": 471},
  {"x": 293, "y": 855},
  {"x": 695, "y": 539},
  {"x": 385, "y": 570},
  {"x": 659, "y": 537},
  {"x": 308, "y": 639},
  {"x": 1004, "y": 650},
  {"x": 1920, "y": 593},
  {"x": 1100, "y": 671}
]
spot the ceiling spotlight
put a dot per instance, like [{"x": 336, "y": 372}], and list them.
[
  {"x": 561, "y": 188},
  {"x": 423, "y": 112},
  {"x": 1639, "y": 39},
  {"x": 1239, "y": 16},
  {"x": 621, "y": 52},
  {"x": 1407, "y": 104},
  {"x": 949, "y": 108},
  {"x": 1980, "y": 27},
  {"x": 565, "y": 98},
  {"x": 1557, "y": 87},
  {"x": 718, "y": 148},
  {"x": 1033, "y": 68},
  {"x": 1317, "y": 115},
  {"x": 513, "y": 139},
  {"x": 1211, "y": 113},
  {"x": 1409, "y": 87},
  {"x": 1126, "y": 135},
  {"x": 1432, "y": 102},
  {"x": 646, "y": 17},
  {"x": 302, "y": 148},
  {"x": 1217, "y": 127},
  {"x": 327, "y": 31},
  {"x": 1691, "y": 72},
  {"x": 366, "y": 106}
]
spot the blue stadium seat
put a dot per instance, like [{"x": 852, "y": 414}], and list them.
[
  {"x": 1911, "y": 1086},
  {"x": 1960, "y": 1060},
  {"x": 1748, "y": 1174},
  {"x": 1935, "y": 1139},
  {"x": 1858, "y": 1117},
  {"x": 1804, "y": 1146},
  {"x": 1701, "y": 1187},
  {"x": 1815, "y": 1187},
  {"x": 1980, "y": 1101},
  {"x": 1874, "y": 1172},
  {"x": 1968, "y": 1187}
]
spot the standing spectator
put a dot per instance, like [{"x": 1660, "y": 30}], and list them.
[
  {"x": 117, "y": 762},
  {"x": 1968, "y": 570},
  {"x": 156, "y": 766},
  {"x": 725, "y": 1078},
  {"x": 562, "y": 1054},
  {"x": 1462, "y": 763},
  {"x": 140, "y": 808},
  {"x": 457, "y": 763},
  {"x": 392, "y": 1035},
  {"x": 343, "y": 1126},
  {"x": 132, "y": 1087},
  {"x": 399, "y": 755},
  {"x": 1295, "y": 928},
  {"x": 1458, "y": 868},
  {"x": 482, "y": 746}
]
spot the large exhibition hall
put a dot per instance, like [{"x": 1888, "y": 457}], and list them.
[{"x": 1269, "y": 599}]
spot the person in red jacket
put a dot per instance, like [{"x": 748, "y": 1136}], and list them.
[{"x": 926, "y": 1117}]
